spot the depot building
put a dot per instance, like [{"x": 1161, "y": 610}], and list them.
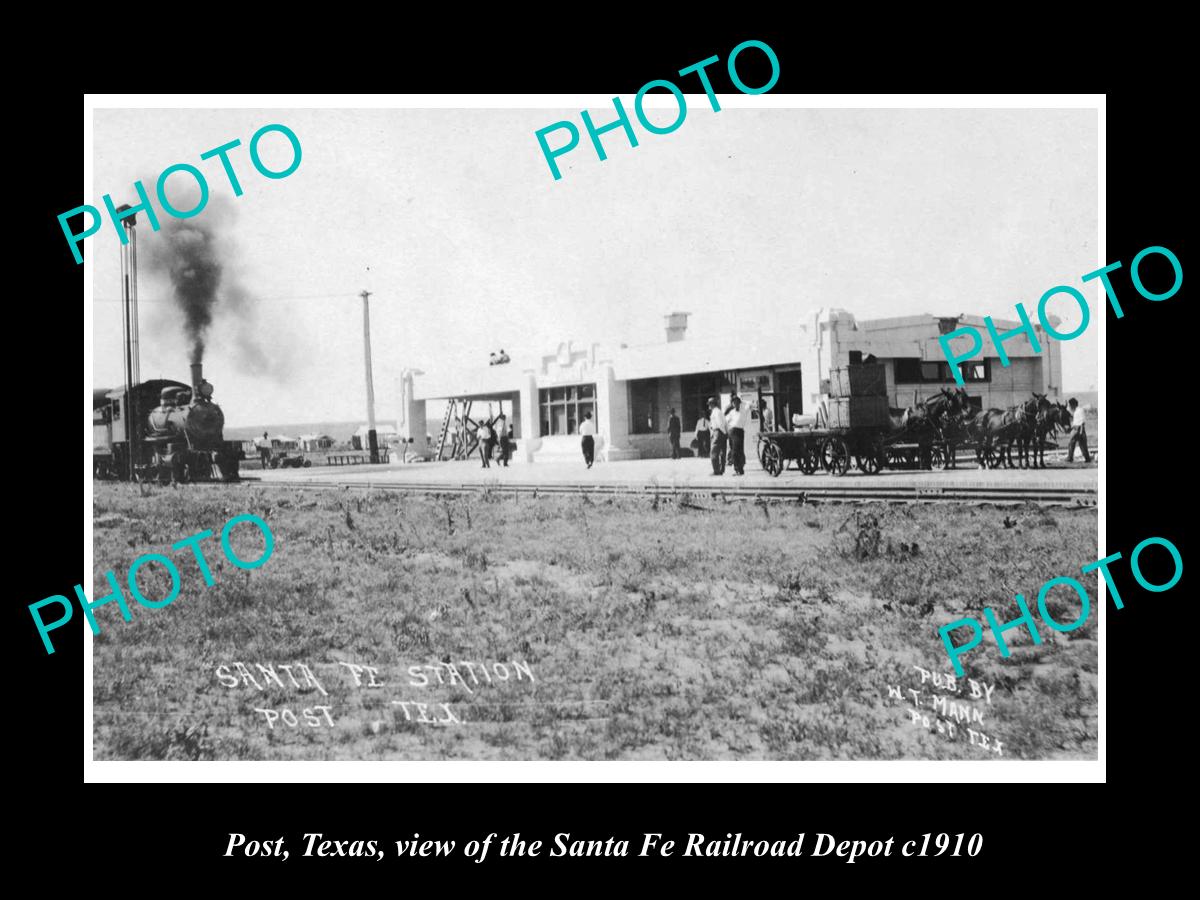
[{"x": 630, "y": 389}]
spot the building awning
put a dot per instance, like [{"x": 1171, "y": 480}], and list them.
[{"x": 479, "y": 382}]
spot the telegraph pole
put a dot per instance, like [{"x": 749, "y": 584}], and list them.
[
  {"x": 372, "y": 439},
  {"x": 129, "y": 316}
]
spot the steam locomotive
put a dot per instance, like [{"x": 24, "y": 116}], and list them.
[{"x": 167, "y": 430}]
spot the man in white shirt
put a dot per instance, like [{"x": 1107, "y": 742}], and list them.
[
  {"x": 735, "y": 418},
  {"x": 264, "y": 450},
  {"x": 1078, "y": 431},
  {"x": 587, "y": 431},
  {"x": 484, "y": 433},
  {"x": 702, "y": 436},
  {"x": 719, "y": 429}
]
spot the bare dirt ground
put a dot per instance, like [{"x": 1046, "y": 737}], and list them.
[{"x": 574, "y": 628}]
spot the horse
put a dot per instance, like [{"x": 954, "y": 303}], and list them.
[
  {"x": 933, "y": 415},
  {"x": 1033, "y": 432},
  {"x": 1004, "y": 427},
  {"x": 1050, "y": 418}
]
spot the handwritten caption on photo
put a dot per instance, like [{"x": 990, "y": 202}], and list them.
[
  {"x": 467, "y": 676},
  {"x": 951, "y": 718}
]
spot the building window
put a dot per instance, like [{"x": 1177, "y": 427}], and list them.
[
  {"x": 976, "y": 371},
  {"x": 916, "y": 371},
  {"x": 116, "y": 410},
  {"x": 563, "y": 408},
  {"x": 643, "y": 406},
  {"x": 908, "y": 371},
  {"x": 696, "y": 390}
]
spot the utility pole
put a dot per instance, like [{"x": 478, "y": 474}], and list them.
[
  {"x": 372, "y": 439},
  {"x": 129, "y": 316}
]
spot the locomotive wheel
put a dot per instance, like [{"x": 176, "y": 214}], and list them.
[
  {"x": 809, "y": 460},
  {"x": 835, "y": 457},
  {"x": 772, "y": 458}
]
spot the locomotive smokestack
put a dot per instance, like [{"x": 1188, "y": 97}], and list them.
[{"x": 197, "y": 377}]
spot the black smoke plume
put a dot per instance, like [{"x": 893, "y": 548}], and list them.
[
  {"x": 187, "y": 254},
  {"x": 198, "y": 257}
]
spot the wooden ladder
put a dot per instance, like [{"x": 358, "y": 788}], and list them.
[{"x": 446, "y": 419}]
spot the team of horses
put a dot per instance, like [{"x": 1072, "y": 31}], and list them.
[{"x": 950, "y": 417}]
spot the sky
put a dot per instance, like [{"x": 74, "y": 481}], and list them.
[{"x": 747, "y": 218}]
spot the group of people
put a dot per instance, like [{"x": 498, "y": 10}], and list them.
[
  {"x": 500, "y": 433},
  {"x": 721, "y": 436}
]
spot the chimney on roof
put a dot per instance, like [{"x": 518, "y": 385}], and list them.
[{"x": 676, "y": 326}]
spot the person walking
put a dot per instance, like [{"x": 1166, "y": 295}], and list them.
[
  {"x": 1078, "y": 431},
  {"x": 673, "y": 428},
  {"x": 587, "y": 434},
  {"x": 735, "y": 418},
  {"x": 702, "y": 436},
  {"x": 504, "y": 430},
  {"x": 486, "y": 442},
  {"x": 719, "y": 430}
]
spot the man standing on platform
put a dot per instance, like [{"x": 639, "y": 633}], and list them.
[
  {"x": 587, "y": 433},
  {"x": 702, "y": 436},
  {"x": 502, "y": 435},
  {"x": 264, "y": 451},
  {"x": 719, "y": 430},
  {"x": 486, "y": 443},
  {"x": 1078, "y": 431},
  {"x": 736, "y": 420},
  {"x": 673, "y": 428}
]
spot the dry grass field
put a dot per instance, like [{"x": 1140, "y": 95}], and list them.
[{"x": 643, "y": 630}]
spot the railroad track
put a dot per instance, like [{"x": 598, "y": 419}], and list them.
[{"x": 839, "y": 493}]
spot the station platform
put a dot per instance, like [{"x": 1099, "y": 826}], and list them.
[{"x": 689, "y": 474}]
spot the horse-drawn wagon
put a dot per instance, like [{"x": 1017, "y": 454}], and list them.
[{"x": 857, "y": 423}]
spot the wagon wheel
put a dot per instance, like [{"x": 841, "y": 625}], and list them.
[
  {"x": 835, "y": 456},
  {"x": 809, "y": 460},
  {"x": 896, "y": 459},
  {"x": 772, "y": 458},
  {"x": 994, "y": 456},
  {"x": 762, "y": 451},
  {"x": 937, "y": 457},
  {"x": 871, "y": 463}
]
